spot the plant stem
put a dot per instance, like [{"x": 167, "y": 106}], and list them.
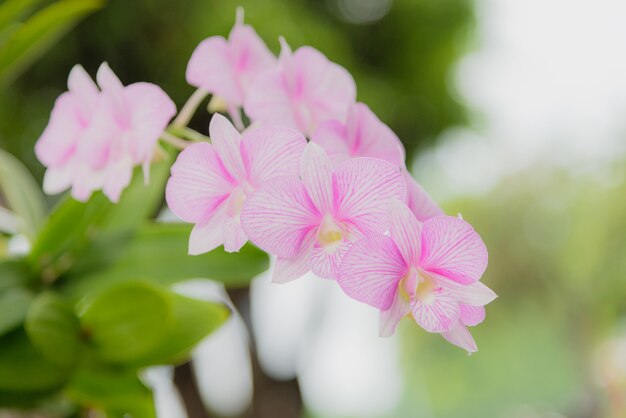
[
  {"x": 175, "y": 141},
  {"x": 189, "y": 108}
]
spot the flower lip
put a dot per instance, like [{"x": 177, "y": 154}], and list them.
[
  {"x": 417, "y": 285},
  {"x": 330, "y": 233}
]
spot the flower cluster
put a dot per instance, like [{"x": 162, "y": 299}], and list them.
[
  {"x": 316, "y": 179},
  {"x": 97, "y": 135}
]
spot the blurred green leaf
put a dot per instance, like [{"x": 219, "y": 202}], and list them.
[
  {"x": 193, "y": 320},
  {"x": 159, "y": 253},
  {"x": 14, "y": 304},
  {"x": 22, "y": 194},
  {"x": 73, "y": 226},
  {"x": 14, "y": 272},
  {"x": 24, "y": 369},
  {"x": 53, "y": 328},
  {"x": 36, "y": 35},
  {"x": 116, "y": 391},
  {"x": 127, "y": 321},
  {"x": 13, "y": 10},
  {"x": 70, "y": 227}
]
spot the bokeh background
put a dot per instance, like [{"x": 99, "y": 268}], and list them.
[{"x": 513, "y": 114}]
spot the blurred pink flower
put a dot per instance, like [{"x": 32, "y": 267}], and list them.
[
  {"x": 211, "y": 182},
  {"x": 95, "y": 137},
  {"x": 420, "y": 203},
  {"x": 308, "y": 222},
  {"x": 226, "y": 68},
  {"x": 429, "y": 270},
  {"x": 362, "y": 135},
  {"x": 302, "y": 91}
]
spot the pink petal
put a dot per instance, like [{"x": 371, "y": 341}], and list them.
[
  {"x": 461, "y": 337},
  {"x": 389, "y": 319},
  {"x": 84, "y": 90},
  {"x": 57, "y": 179},
  {"x": 268, "y": 102},
  {"x": 210, "y": 69},
  {"x": 472, "y": 315},
  {"x": 451, "y": 248},
  {"x": 404, "y": 229},
  {"x": 367, "y": 136},
  {"x": 288, "y": 269},
  {"x": 272, "y": 151},
  {"x": 117, "y": 178},
  {"x": 317, "y": 175},
  {"x": 150, "y": 112},
  {"x": 58, "y": 141},
  {"x": 208, "y": 235},
  {"x": 325, "y": 262},
  {"x": 198, "y": 185},
  {"x": 250, "y": 56},
  {"x": 111, "y": 85},
  {"x": 475, "y": 294},
  {"x": 234, "y": 235},
  {"x": 98, "y": 140},
  {"x": 85, "y": 181},
  {"x": 437, "y": 315},
  {"x": 332, "y": 137},
  {"x": 226, "y": 140},
  {"x": 420, "y": 203},
  {"x": 279, "y": 215},
  {"x": 371, "y": 270},
  {"x": 363, "y": 187}
]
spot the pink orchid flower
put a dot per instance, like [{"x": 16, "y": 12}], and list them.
[
  {"x": 227, "y": 67},
  {"x": 362, "y": 135},
  {"x": 211, "y": 182},
  {"x": 428, "y": 270},
  {"x": 421, "y": 204},
  {"x": 302, "y": 91},
  {"x": 96, "y": 136},
  {"x": 309, "y": 222}
]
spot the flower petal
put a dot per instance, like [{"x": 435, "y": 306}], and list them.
[
  {"x": 210, "y": 68},
  {"x": 439, "y": 314},
  {"x": 57, "y": 179},
  {"x": 150, "y": 111},
  {"x": 332, "y": 137},
  {"x": 451, "y": 248},
  {"x": 279, "y": 215},
  {"x": 111, "y": 85},
  {"x": 272, "y": 151},
  {"x": 250, "y": 54},
  {"x": 461, "y": 337},
  {"x": 288, "y": 269},
  {"x": 58, "y": 142},
  {"x": 404, "y": 229},
  {"x": 420, "y": 203},
  {"x": 475, "y": 294},
  {"x": 472, "y": 315},
  {"x": 363, "y": 187},
  {"x": 226, "y": 140},
  {"x": 367, "y": 136},
  {"x": 370, "y": 271},
  {"x": 234, "y": 235},
  {"x": 267, "y": 101},
  {"x": 317, "y": 175},
  {"x": 208, "y": 235},
  {"x": 198, "y": 185},
  {"x": 389, "y": 319},
  {"x": 85, "y": 91},
  {"x": 117, "y": 178}
]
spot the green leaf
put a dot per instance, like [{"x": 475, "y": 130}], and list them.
[
  {"x": 159, "y": 253},
  {"x": 74, "y": 226},
  {"x": 118, "y": 392},
  {"x": 22, "y": 194},
  {"x": 53, "y": 328},
  {"x": 193, "y": 320},
  {"x": 70, "y": 228},
  {"x": 41, "y": 31},
  {"x": 127, "y": 321},
  {"x": 14, "y": 304},
  {"x": 14, "y": 272},
  {"x": 13, "y": 10},
  {"x": 23, "y": 368}
]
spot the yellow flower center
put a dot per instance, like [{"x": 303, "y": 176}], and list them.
[
  {"x": 330, "y": 233},
  {"x": 417, "y": 285}
]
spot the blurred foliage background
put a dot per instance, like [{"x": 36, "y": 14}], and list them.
[{"x": 557, "y": 241}]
